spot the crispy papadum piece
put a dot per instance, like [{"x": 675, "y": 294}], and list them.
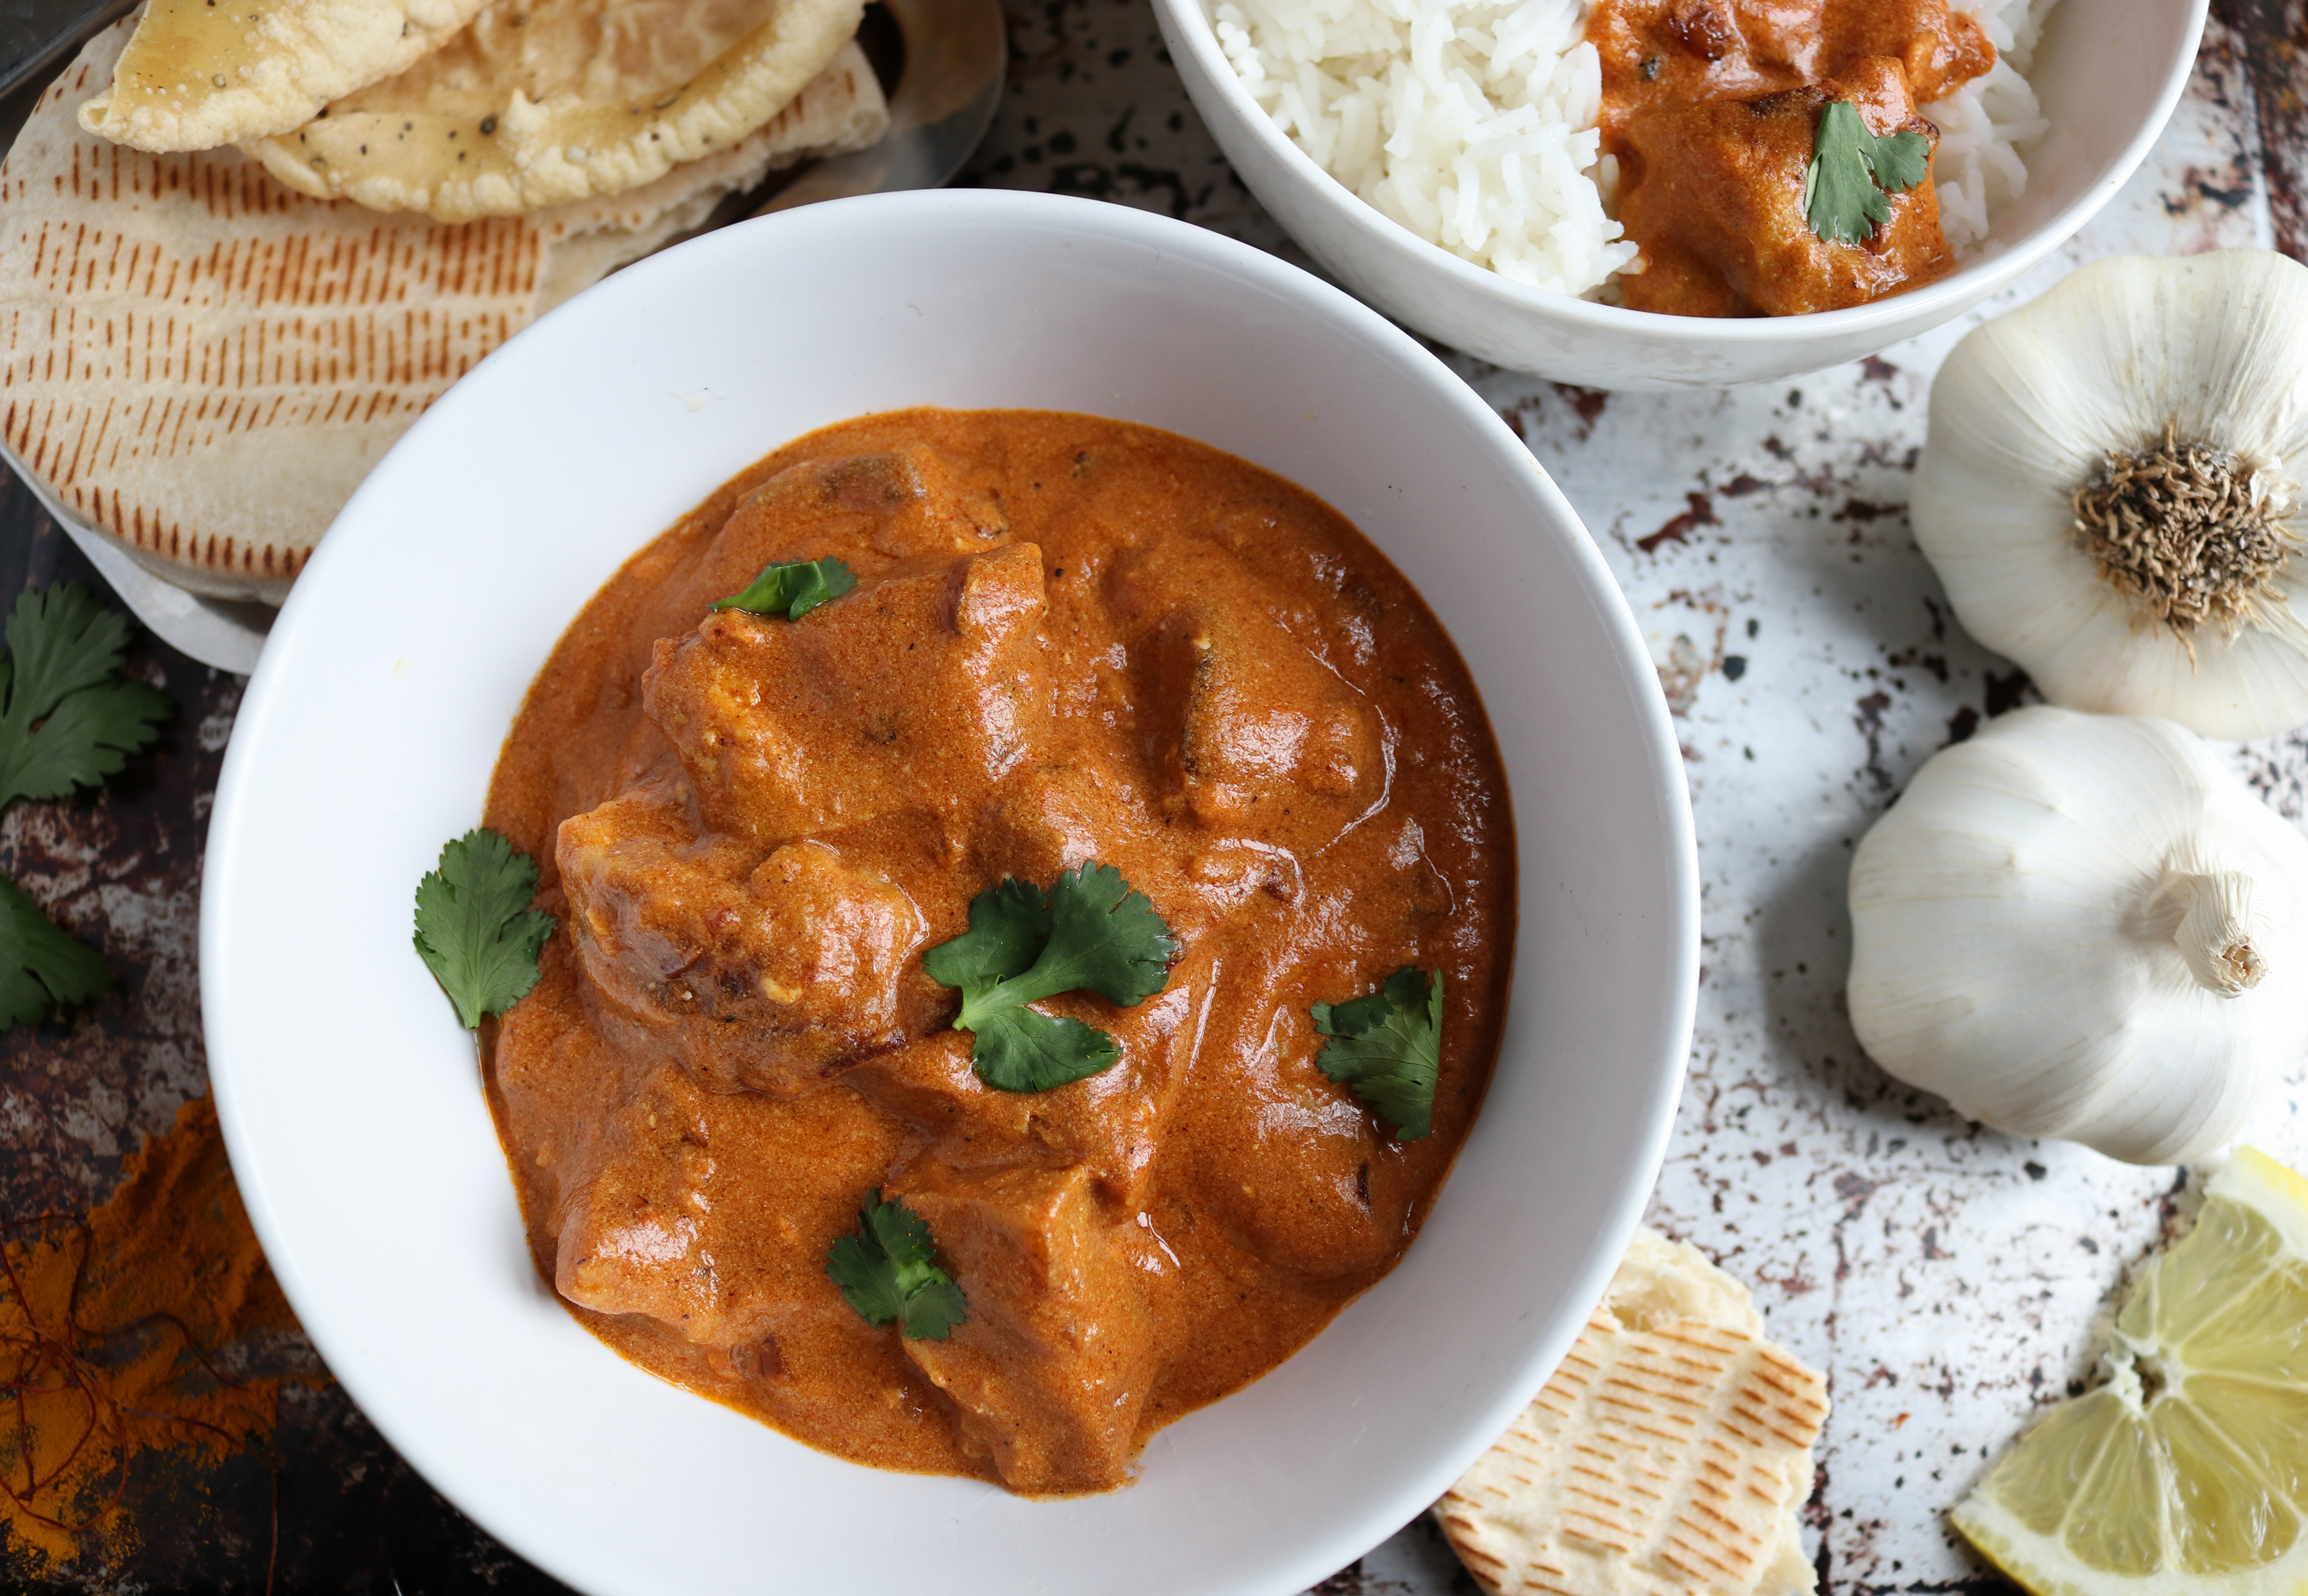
[
  {"x": 197, "y": 74},
  {"x": 543, "y": 102},
  {"x": 840, "y": 110},
  {"x": 1666, "y": 1457},
  {"x": 204, "y": 365}
]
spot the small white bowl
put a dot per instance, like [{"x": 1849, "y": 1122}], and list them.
[
  {"x": 350, "y": 1096},
  {"x": 2107, "y": 73}
]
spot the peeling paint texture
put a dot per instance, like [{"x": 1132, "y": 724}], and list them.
[{"x": 1945, "y": 1277}]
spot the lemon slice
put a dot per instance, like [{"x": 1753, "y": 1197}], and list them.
[{"x": 2187, "y": 1473}]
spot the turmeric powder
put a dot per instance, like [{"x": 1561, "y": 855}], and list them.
[{"x": 116, "y": 1331}]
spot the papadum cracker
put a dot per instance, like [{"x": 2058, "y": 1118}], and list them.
[
  {"x": 840, "y": 110},
  {"x": 205, "y": 365},
  {"x": 1666, "y": 1457},
  {"x": 198, "y": 73},
  {"x": 543, "y": 102}
]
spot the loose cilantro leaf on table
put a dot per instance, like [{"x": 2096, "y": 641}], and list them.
[
  {"x": 793, "y": 588},
  {"x": 475, "y": 928},
  {"x": 1090, "y": 933},
  {"x": 70, "y": 721},
  {"x": 1853, "y": 174},
  {"x": 39, "y": 964},
  {"x": 888, "y": 1270},
  {"x": 1387, "y": 1047}
]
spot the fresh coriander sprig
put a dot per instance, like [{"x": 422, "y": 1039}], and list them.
[
  {"x": 39, "y": 965},
  {"x": 70, "y": 721},
  {"x": 793, "y": 588},
  {"x": 888, "y": 1271},
  {"x": 1387, "y": 1048},
  {"x": 475, "y": 928},
  {"x": 1089, "y": 932},
  {"x": 1853, "y": 174}
]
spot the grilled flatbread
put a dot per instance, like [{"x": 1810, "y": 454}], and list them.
[
  {"x": 544, "y": 102},
  {"x": 1666, "y": 1458},
  {"x": 197, "y": 73},
  {"x": 205, "y": 365}
]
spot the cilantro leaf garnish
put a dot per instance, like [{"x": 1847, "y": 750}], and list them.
[
  {"x": 1901, "y": 159},
  {"x": 793, "y": 588},
  {"x": 475, "y": 928},
  {"x": 1853, "y": 174},
  {"x": 888, "y": 1270},
  {"x": 1024, "y": 1049},
  {"x": 1090, "y": 933},
  {"x": 39, "y": 964},
  {"x": 1387, "y": 1047},
  {"x": 70, "y": 721},
  {"x": 1008, "y": 925}
]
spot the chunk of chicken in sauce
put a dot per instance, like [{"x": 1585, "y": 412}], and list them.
[
  {"x": 1721, "y": 213},
  {"x": 1051, "y": 1369},
  {"x": 769, "y": 973},
  {"x": 1238, "y": 711},
  {"x": 783, "y": 734},
  {"x": 1715, "y": 198},
  {"x": 1071, "y": 640}
]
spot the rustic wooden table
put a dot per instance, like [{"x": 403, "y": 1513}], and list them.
[{"x": 1946, "y": 1278}]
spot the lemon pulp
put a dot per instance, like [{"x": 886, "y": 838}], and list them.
[{"x": 2187, "y": 1473}]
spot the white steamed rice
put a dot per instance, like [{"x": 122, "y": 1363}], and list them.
[
  {"x": 1982, "y": 124},
  {"x": 1472, "y": 122}
]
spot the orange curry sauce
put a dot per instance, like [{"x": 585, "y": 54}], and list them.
[
  {"x": 1711, "y": 107},
  {"x": 1072, "y": 639}
]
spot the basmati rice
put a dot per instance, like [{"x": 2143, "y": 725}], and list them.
[
  {"x": 1982, "y": 124},
  {"x": 1472, "y": 123}
]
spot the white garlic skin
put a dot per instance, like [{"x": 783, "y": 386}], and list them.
[
  {"x": 2013, "y": 937},
  {"x": 2026, "y": 410}
]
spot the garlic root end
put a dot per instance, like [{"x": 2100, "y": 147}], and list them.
[{"x": 2215, "y": 932}]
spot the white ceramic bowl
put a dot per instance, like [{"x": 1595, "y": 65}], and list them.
[
  {"x": 350, "y": 1096},
  {"x": 2107, "y": 74}
]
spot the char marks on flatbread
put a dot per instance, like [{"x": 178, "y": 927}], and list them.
[
  {"x": 1665, "y": 1458},
  {"x": 544, "y": 102},
  {"x": 205, "y": 365},
  {"x": 199, "y": 73}
]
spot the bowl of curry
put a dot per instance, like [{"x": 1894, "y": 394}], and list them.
[
  {"x": 1123, "y": 918},
  {"x": 1712, "y": 122}
]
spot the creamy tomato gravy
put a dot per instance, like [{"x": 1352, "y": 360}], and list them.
[
  {"x": 1710, "y": 108},
  {"x": 1072, "y": 639}
]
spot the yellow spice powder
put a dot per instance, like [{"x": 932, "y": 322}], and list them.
[{"x": 115, "y": 1330}]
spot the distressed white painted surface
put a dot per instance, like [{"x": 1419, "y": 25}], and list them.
[{"x": 1945, "y": 1277}]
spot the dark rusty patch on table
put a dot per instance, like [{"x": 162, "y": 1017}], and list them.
[{"x": 2272, "y": 35}]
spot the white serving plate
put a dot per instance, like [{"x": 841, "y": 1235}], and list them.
[{"x": 350, "y": 1096}]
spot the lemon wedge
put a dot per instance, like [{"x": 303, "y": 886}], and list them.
[{"x": 2187, "y": 1473}]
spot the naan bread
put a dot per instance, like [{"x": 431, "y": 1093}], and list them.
[
  {"x": 197, "y": 73},
  {"x": 1666, "y": 1458},
  {"x": 205, "y": 365},
  {"x": 543, "y": 102}
]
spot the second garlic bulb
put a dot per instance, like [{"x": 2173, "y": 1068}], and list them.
[{"x": 2084, "y": 927}]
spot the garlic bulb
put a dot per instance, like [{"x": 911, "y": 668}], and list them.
[
  {"x": 2083, "y": 927},
  {"x": 2109, "y": 486}
]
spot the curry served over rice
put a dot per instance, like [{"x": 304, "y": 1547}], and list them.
[
  {"x": 999, "y": 690},
  {"x": 1717, "y": 111}
]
